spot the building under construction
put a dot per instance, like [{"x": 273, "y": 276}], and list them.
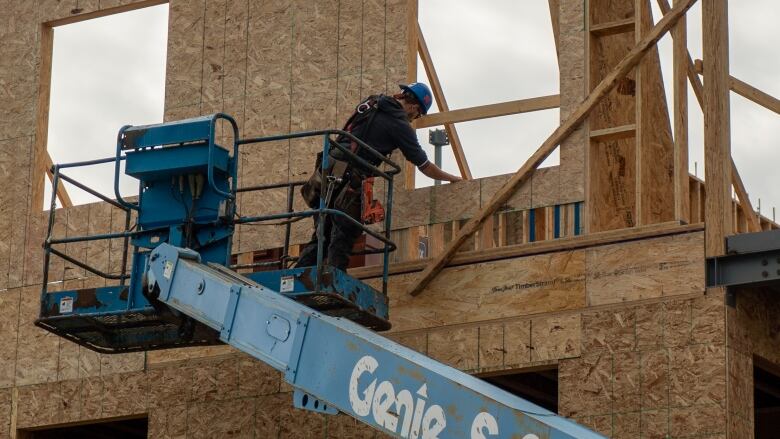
[{"x": 583, "y": 287}]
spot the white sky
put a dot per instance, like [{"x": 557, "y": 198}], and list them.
[{"x": 484, "y": 52}]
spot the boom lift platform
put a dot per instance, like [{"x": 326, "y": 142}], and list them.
[{"x": 314, "y": 324}]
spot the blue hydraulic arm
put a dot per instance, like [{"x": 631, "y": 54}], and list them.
[{"x": 336, "y": 365}]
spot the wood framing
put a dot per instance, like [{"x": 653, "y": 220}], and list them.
[
  {"x": 438, "y": 93},
  {"x": 488, "y": 111},
  {"x": 682, "y": 208},
  {"x": 412, "y": 9},
  {"x": 42, "y": 115},
  {"x": 746, "y": 90},
  {"x": 717, "y": 125},
  {"x": 554, "y": 17},
  {"x": 692, "y": 68},
  {"x": 576, "y": 118}
]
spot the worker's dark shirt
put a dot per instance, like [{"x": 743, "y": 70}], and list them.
[{"x": 389, "y": 130}]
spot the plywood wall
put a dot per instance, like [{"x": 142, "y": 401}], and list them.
[{"x": 627, "y": 324}]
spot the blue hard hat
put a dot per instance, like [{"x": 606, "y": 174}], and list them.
[{"x": 421, "y": 92}]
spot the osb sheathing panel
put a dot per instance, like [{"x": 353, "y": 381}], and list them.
[
  {"x": 9, "y": 328},
  {"x": 752, "y": 324},
  {"x": 616, "y": 273},
  {"x": 571, "y": 63},
  {"x": 643, "y": 362},
  {"x": 491, "y": 290},
  {"x": 644, "y": 269},
  {"x": 38, "y": 350},
  {"x": 214, "y": 33},
  {"x": 18, "y": 42},
  {"x": 82, "y": 399},
  {"x": 752, "y": 333},
  {"x": 184, "y": 69},
  {"x": 33, "y": 254},
  {"x": 315, "y": 36}
]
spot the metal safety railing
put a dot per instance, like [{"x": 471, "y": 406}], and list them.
[{"x": 323, "y": 211}]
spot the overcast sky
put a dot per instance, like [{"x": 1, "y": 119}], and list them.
[{"x": 484, "y": 52}]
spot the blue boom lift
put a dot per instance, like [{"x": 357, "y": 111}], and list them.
[{"x": 315, "y": 324}]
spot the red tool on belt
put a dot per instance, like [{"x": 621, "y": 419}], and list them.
[{"x": 373, "y": 212}]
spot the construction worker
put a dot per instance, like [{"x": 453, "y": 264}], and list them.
[{"x": 384, "y": 122}]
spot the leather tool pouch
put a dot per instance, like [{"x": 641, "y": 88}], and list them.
[{"x": 311, "y": 190}]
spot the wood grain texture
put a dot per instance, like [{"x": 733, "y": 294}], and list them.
[
  {"x": 488, "y": 111},
  {"x": 717, "y": 125},
  {"x": 682, "y": 206}
]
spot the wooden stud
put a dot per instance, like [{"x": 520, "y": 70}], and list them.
[
  {"x": 486, "y": 234},
  {"x": 245, "y": 258},
  {"x": 42, "y": 116},
  {"x": 436, "y": 243},
  {"x": 549, "y": 145},
  {"x": 501, "y": 240},
  {"x": 682, "y": 207},
  {"x": 487, "y": 111},
  {"x": 412, "y": 8},
  {"x": 717, "y": 126},
  {"x": 554, "y": 13},
  {"x": 654, "y": 143},
  {"x": 438, "y": 93}
]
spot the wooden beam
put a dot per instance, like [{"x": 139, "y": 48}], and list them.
[
  {"x": 38, "y": 180},
  {"x": 746, "y": 90},
  {"x": 554, "y": 14},
  {"x": 62, "y": 192},
  {"x": 488, "y": 111},
  {"x": 438, "y": 93},
  {"x": 682, "y": 199},
  {"x": 717, "y": 126},
  {"x": 411, "y": 73},
  {"x": 754, "y": 224},
  {"x": 560, "y": 134},
  {"x": 537, "y": 248},
  {"x": 615, "y": 133},
  {"x": 613, "y": 27}
]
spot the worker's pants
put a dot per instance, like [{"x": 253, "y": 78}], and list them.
[{"x": 340, "y": 236}]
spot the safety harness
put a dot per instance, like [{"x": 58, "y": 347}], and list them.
[{"x": 344, "y": 179}]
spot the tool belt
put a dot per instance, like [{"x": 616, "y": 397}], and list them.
[{"x": 342, "y": 186}]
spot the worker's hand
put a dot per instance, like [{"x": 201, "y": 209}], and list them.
[{"x": 455, "y": 179}]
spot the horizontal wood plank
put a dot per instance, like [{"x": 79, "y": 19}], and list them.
[{"x": 488, "y": 111}]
